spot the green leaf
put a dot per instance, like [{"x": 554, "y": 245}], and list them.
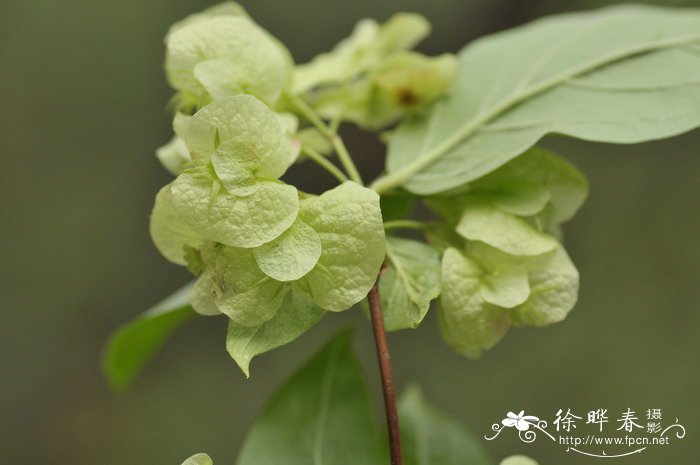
[
  {"x": 469, "y": 324},
  {"x": 348, "y": 221},
  {"x": 296, "y": 315},
  {"x": 518, "y": 460},
  {"x": 131, "y": 346},
  {"x": 322, "y": 415},
  {"x": 483, "y": 222},
  {"x": 622, "y": 74},
  {"x": 430, "y": 437},
  {"x": 170, "y": 233},
  {"x": 199, "y": 459},
  {"x": 215, "y": 56},
  {"x": 239, "y": 221},
  {"x": 291, "y": 255},
  {"x": 411, "y": 282}
]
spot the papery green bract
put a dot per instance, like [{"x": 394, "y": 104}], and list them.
[
  {"x": 227, "y": 8},
  {"x": 240, "y": 221},
  {"x": 231, "y": 194},
  {"x": 291, "y": 255},
  {"x": 202, "y": 297},
  {"x": 170, "y": 233},
  {"x": 506, "y": 287},
  {"x": 322, "y": 415},
  {"x": 348, "y": 221},
  {"x": 482, "y": 221},
  {"x": 296, "y": 315},
  {"x": 553, "y": 282},
  {"x": 484, "y": 290},
  {"x": 539, "y": 177},
  {"x": 290, "y": 127},
  {"x": 404, "y": 83},
  {"x": 244, "y": 140},
  {"x": 199, "y": 459},
  {"x": 622, "y": 74},
  {"x": 236, "y": 286},
  {"x": 173, "y": 155},
  {"x": 411, "y": 282},
  {"x": 538, "y": 182},
  {"x": 214, "y": 56},
  {"x": 430, "y": 437},
  {"x": 469, "y": 323},
  {"x": 367, "y": 47},
  {"x": 518, "y": 460}
]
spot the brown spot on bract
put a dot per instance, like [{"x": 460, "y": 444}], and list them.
[{"x": 406, "y": 97}]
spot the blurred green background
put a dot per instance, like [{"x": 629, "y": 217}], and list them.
[{"x": 85, "y": 96}]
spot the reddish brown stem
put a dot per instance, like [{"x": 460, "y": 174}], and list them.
[{"x": 392, "y": 415}]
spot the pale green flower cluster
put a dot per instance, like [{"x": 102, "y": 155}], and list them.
[
  {"x": 273, "y": 259},
  {"x": 371, "y": 78},
  {"x": 255, "y": 243},
  {"x": 250, "y": 237},
  {"x": 503, "y": 264}
]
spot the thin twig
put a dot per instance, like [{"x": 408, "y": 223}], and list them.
[
  {"x": 346, "y": 159},
  {"x": 324, "y": 163},
  {"x": 330, "y": 133},
  {"x": 405, "y": 224},
  {"x": 392, "y": 415}
]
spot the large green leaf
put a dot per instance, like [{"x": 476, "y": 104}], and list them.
[
  {"x": 622, "y": 74},
  {"x": 411, "y": 282},
  {"x": 430, "y": 437},
  {"x": 296, "y": 315},
  {"x": 131, "y": 347},
  {"x": 322, "y": 416}
]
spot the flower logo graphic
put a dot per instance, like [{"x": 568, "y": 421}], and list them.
[{"x": 521, "y": 421}]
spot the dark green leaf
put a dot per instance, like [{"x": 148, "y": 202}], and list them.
[
  {"x": 131, "y": 346},
  {"x": 322, "y": 416},
  {"x": 430, "y": 437}
]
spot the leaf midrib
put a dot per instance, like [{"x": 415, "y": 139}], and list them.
[{"x": 399, "y": 177}]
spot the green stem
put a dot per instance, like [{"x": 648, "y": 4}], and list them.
[
  {"x": 324, "y": 163},
  {"x": 331, "y": 135},
  {"x": 405, "y": 224},
  {"x": 346, "y": 159}
]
